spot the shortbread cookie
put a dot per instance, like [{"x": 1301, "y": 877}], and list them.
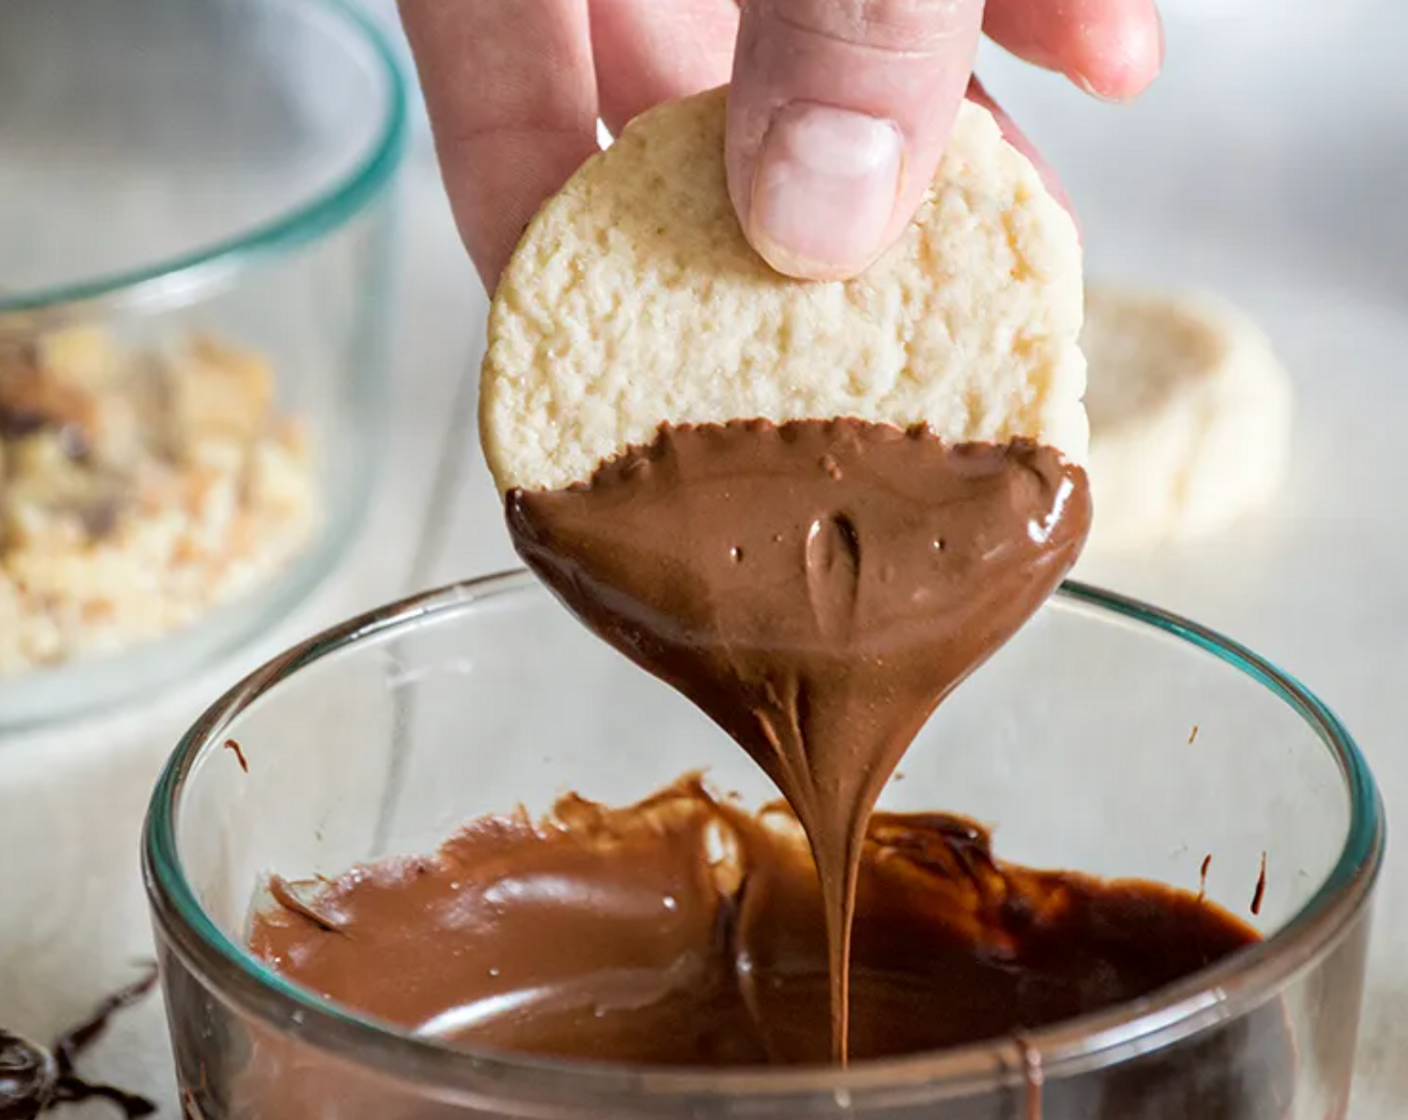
[
  {"x": 812, "y": 508},
  {"x": 1190, "y": 415},
  {"x": 634, "y": 300}
]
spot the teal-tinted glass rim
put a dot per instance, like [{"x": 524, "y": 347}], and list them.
[
  {"x": 1230, "y": 989},
  {"x": 178, "y": 276}
]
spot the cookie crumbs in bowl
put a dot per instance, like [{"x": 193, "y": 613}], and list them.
[{"x": 139, "y": 490}]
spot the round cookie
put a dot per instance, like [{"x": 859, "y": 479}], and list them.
[
  {"x": 1190, "y": 415},
  {"x": 634, "y": 300}
]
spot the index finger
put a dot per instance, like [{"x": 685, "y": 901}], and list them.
[{"x": 511, "y": 92}]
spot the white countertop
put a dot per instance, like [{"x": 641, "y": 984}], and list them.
[{"x": 1271, "y": 163}]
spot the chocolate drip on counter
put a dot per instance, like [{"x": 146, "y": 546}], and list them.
[
  {"x": 35, "y": 1079},
  {"x": 815, "y": 587},
  {"x": 685, "y": 932}
]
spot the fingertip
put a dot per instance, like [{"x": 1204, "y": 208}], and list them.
[{"x": 1120, "y": 58}]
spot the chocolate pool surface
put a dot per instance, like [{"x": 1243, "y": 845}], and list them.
[{"x": 683, "y": 931}]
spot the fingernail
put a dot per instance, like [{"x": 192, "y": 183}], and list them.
[
  {"x": 1085, "y": 85},
  {"x": 824, "y": 190}
]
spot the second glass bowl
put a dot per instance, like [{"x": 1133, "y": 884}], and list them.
[
  {"x": 1107, "y": 737},
  {"x": 195, "y": 241}
]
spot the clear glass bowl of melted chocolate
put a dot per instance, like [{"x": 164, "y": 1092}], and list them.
[{"x": 451, "y": 859}]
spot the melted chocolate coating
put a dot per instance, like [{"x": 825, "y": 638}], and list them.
[{"x": 817, "y": 588}]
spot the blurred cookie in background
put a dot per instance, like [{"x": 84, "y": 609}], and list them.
[{"x": 1190, "y": 415}]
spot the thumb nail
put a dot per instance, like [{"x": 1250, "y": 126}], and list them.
[{"x": 824, "y": 190}]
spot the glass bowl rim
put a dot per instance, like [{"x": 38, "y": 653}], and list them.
[
  {"x": 178, "y": 277},
  {"x": 1228, "y": 990}
]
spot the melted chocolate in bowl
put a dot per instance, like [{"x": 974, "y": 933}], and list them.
[
  {"x": 815, "y": 587},
  {"x": 685, "y": 932}
]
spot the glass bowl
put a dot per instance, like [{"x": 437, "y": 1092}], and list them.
[
  {"x": 195, "y": 242},
  {"x": 1077, "y": 742}
]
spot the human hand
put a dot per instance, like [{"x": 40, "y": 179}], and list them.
[{"x": 838, "y": 109}]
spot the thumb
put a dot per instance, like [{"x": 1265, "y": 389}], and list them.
[{"x": 838, "y": 115}]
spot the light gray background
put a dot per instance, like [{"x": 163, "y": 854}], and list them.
[{"x": 1270, "y": 162}]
